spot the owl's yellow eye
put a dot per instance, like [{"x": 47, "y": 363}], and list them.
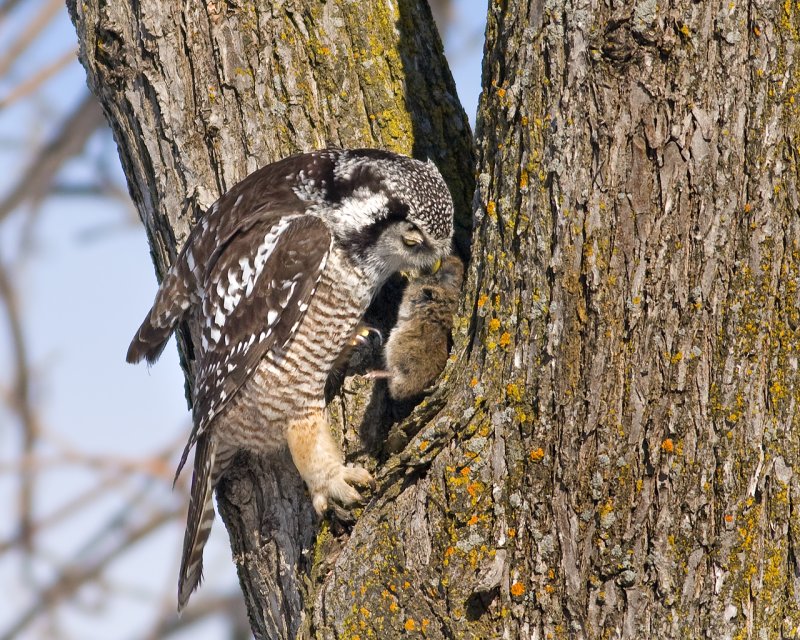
[
  {"x": 436, "y": 265},
  {"x": 412, "y": 240}
]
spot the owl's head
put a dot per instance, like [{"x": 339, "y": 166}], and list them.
[{"x": 394, "y": 213}]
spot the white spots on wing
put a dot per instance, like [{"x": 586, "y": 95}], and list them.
[
  {"x": 233, "y": 281},
  {"x": 238, "y": 201},
  {"x": 247, "y": 269},
  {"x": 242, "y": 347},
  {"x": 263, "y": 253},
  {"x": 229, "y": 302},
  {"x": 287, "y": 291},
  {"x": 219, "y": 317},
  {"x": 233, "y": 294},
  {"x": 190, "y": 260},
  {"x": 308, "y": 186},
  {"x": 160, "y": 321},
  {"x": 226, "y": 296},
  {"x": 221, "y": 291}
]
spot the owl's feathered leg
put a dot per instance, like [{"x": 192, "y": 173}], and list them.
[
  {"x": 321, "y": 464},
  {"x": 211, "y": 460}
]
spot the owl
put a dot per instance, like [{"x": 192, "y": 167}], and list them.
[
  {"x": 418, "y": 346},
  {"x": 274, "y": 280}
]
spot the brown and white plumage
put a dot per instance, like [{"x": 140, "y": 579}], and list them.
[{"x": 273, "y": 281}]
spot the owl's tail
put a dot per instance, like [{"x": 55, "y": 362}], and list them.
[
  {"x": 210, "y": 462},
  {"x": 172, "y": 301}
]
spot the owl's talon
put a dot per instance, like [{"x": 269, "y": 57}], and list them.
[
  {"x": 320, "y": 503},
  {"x": 339, "y": 488},
  {"x": 359, "y": 476},
  {"x": 362, "y": 333}
]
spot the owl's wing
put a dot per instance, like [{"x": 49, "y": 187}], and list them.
[
  {"x": 269, "y": 193},
  {"x": 254, "y": 296}
]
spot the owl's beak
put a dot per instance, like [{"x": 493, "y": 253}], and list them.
[{"x": 418, "y": 273}]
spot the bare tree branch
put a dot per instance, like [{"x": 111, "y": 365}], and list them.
[
  {"x": 6, "y": 8},
  {"x": 68, "y": 509},
  {"x": 69, "y": 141},
  {"x": 76, "y": 575},
  {"x": 46, "y": 14},
  {"x": 230, "y": 605},
  {"x": 21, "y": 399},
  {"x": 31, "y": 84}
]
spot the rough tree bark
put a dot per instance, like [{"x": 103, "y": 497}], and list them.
[{"x": 611, "y": 451}]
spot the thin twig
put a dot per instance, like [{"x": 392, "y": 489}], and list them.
[
  {"x": 229, "y": 605},
  {"x": 74, "y": 576},
  {"x": 147, "y": 465},
  {"x": 22, "y": 405},
  {"x": 67, "y": 509},
  {"x": 49, "y": 11},
  {"x": 69, "y": 141},
  {"x": 27, "y": 87},
  {"x": 6, "y": 8}
]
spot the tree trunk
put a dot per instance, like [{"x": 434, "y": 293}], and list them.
[
  {"x": 639, "y": 242},
  {"x": 201, "y": 94},
  {"x": 610, "y": 453}
]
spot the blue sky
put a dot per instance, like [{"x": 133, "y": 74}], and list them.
[{"x": 83, "y": 294}]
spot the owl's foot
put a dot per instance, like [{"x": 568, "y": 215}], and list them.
[
  {"x": 359, "y": 338},
  {"x": 319, "y": 461},
  {"x": 339, "y": 487}
]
